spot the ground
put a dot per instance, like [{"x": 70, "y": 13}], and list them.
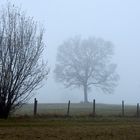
[
  {"x": 70, "y": 128},
  {"x": 51, "y": 123}
]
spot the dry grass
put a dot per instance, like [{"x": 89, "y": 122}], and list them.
[
  {"x": 70, "y": 129},
  {"x": 54, "y": 125}
]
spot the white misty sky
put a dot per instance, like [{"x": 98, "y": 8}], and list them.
[{"x": 117, "y": 21}]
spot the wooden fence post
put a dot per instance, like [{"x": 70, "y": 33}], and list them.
[
  {"x": 68, "y": 109},
  {"x": 122, "y": 108},
  {"x": 138, "y": 110},
  {"x": 35, "y": 107},
  {"x": 94, "y": 108}
]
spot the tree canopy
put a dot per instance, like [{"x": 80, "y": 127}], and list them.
[{"x": 86, "y": 63}]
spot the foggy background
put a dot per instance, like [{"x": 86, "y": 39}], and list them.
[{"x": 113, "y": 20}]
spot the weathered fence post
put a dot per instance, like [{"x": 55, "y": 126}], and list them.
[
  {"x": 122, "y": 108},
  {"x": 94, "y": 108},
  {"x": 138, "y": 110},
  {"x": 35, "y": 107},
  {"x": 68, "y": 109}
]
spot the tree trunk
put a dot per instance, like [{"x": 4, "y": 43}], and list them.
[
  {"x": 85, "y": 94},
  {"x": 4, "y": 115},
  {"x": 4, "y": 112}
]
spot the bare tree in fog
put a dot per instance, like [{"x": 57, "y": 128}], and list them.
[
  {"x": 86, "y": 63},
  {"x": 21, "y": 66}
]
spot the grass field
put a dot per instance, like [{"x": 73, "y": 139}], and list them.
[
  {"x": 78, "y": 109},
  {"x": 70, "y": 129},
  {"x": 52, "y": 124}
]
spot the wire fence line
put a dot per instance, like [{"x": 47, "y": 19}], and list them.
[{"x": 93, "y": 109}]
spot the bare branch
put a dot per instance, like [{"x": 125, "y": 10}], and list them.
[{"x": 21, "y": 66}]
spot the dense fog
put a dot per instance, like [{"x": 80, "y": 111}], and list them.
[{"x": 116, "y": 21}]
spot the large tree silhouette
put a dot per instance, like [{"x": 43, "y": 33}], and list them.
[
  {"x": 86, "y": 63},
  {"x": 21, "y": 67}
]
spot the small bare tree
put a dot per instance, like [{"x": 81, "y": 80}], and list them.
[
  {"x": 21, "y": 67},
  {"x": 83, "y": 63}
]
